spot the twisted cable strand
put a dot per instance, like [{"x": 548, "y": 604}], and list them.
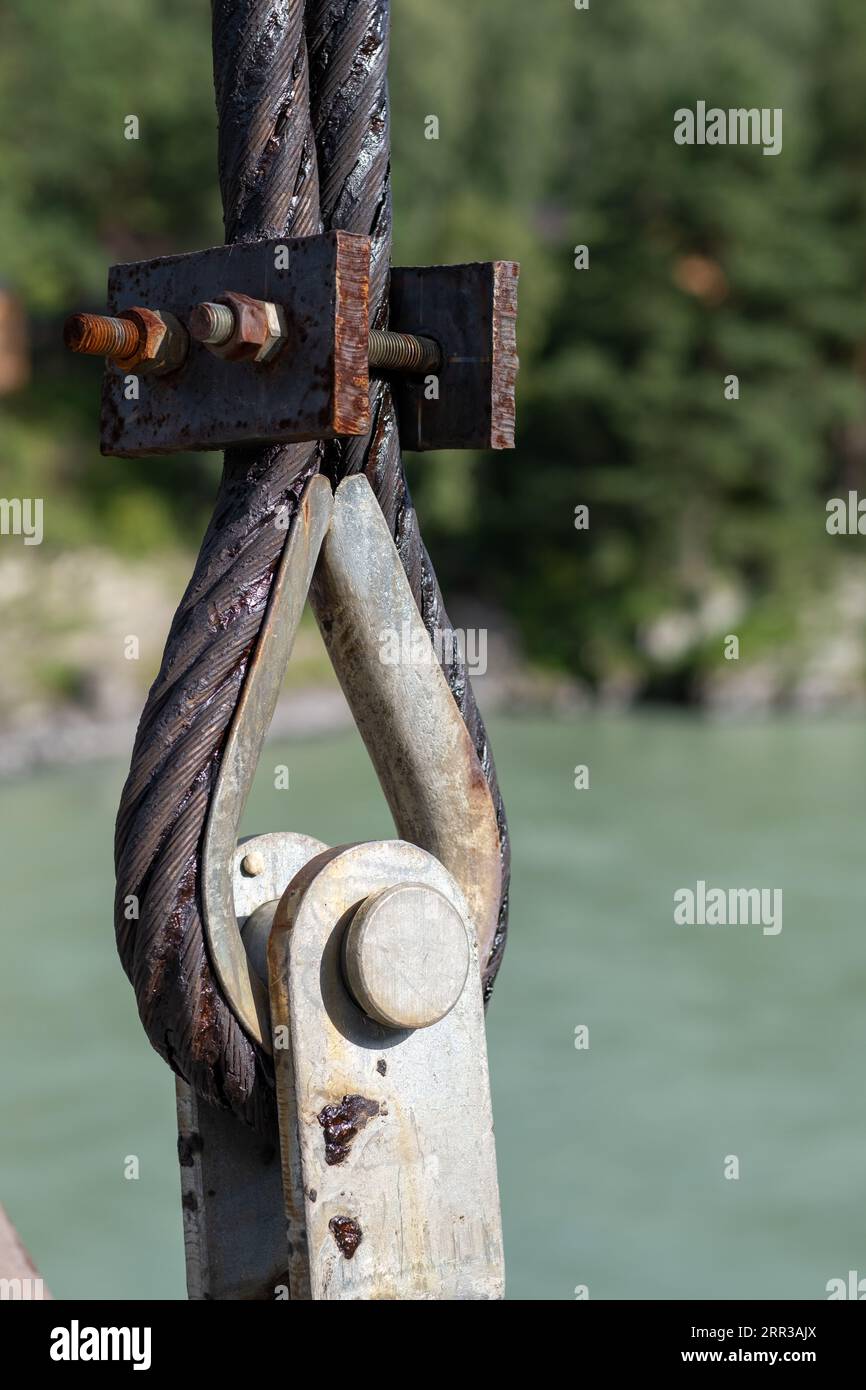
[
  {"x": 268, "y": 167},
  {"x": 269, "y": 182}
]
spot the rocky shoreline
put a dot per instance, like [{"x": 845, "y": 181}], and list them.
[{"x": 84, "y": 633}]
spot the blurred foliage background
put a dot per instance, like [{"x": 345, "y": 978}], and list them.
[{"x": 707, "y": 516}]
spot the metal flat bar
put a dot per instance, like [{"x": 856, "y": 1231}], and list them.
[
  {"x": 417, "y": 741},
  {"x": 231, "y": 1189},
  {"x": 241, "y": 986},
  {"x": 234, "y": 1222},
  {"x": 409, "y": 1208},
  {"x": 316, "y": 387}
]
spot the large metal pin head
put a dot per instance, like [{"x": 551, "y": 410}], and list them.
[
  {"x": 406, "y": 956},
  {"x": 400, "y": 1200}
]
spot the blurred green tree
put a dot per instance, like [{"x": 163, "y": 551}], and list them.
[{"x": 555, "y": 129}]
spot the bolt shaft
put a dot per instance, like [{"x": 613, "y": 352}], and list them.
[
  {"x": 100, "y": 336},
  {"x": 403, "y": 352},
  {"x": 211, "y": 323}
]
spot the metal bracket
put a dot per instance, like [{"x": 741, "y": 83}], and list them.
[
  {"x": 472, "y": 311},
  {"x": 365, "y": 949},
  {"x": 246, "y": 991},
  {"x": 269, "y": 342},
  {"x": 405, "y": 712},
  {"x": 316, "y": 388},
  {"x": 389, "y": 1166},
  {"x": 440, "y": 801}
]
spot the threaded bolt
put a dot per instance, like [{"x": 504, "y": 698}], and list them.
[
  {"x": 98, "y": 335},
  {"x": 212, "y": 324},
  {"x": 403, "y": 352}
]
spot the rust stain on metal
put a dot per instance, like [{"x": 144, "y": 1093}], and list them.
[
  {"x": 342, "y": 1123},
  {"x": 403, "y": 352},
  {"x": 471, "y": 311},
  {"x": 249, "y": 331},
  {"x": 100, "y": 335},
  {"x": 350, "y": 367},
  {"x": 135, "y": 340},
  {"x": 505, "y": 360},
  {"x": 347, "y": 1233},
  {"x": 311, "y": 378}
]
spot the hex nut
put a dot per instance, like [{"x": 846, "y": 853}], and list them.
[
  {"x": 163, "y": 343},
  {"x": 277, "y": 331},
  {"x": 259, "y": 329}
]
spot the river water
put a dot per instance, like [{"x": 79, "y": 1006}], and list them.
[{"x": 710, "y": 1142}]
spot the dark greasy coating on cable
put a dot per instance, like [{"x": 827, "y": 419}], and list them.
[
  {"x": 267, "y": 169},
  {"x": 268, "y": 176}
]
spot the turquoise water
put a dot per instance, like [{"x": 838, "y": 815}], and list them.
[{"x": 704, "y": 1042}]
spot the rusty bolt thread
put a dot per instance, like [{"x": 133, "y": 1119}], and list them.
[
  {"x": 211, "y": 324},
  {"x": 403, "y": 352},
  {"x": 101, "y": 336}
]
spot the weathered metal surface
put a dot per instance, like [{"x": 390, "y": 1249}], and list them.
[
  {"x": 232, "y": 1198},
  {"x": 241, "y": 986},
  {"x": 231, "y": 1186},
  {"x": 140, "y": 341},
  {"x": 471, "y": 311},
  {"x": 98, "y": 335},
  {"x": 412, "y": 1210},
  {"x": 417, "y": 741},
  {"x": 316, "y": 387},
  {"x": 255, "y": 331},
  {"x": 343, "y": 1123},
  {"x": 420, "y": 737},
  {"x": 403, "y": 352},
  {"x": 211, "y": 324},
  {"x": 275, "y": 858},
  {"x": 406, "y": 956}
]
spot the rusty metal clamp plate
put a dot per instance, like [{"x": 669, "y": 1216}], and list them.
[
  {"x": 471, "y": 310},
  {"x": 316, "y": 388},
  {"x": 269, "y": 342}
]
